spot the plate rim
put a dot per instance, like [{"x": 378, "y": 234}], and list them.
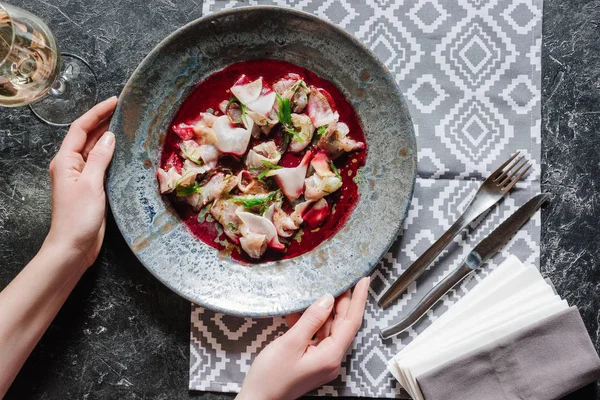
[{"x": 355, "y": 41}]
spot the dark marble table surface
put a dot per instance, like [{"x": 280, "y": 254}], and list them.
[{"x": 123, "y": 335}]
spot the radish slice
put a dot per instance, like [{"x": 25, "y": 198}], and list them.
[
  {"x": 231, "y": 139},
  {"x": 319, "y": 110},
  {"x": 246, "y": 91},
  {"x": 260, "y": 225},
  {"x": 291, "y": 180},
  {"x": 320, "y": 163},
  {"x": 317, "y": 214},
  {"x": 263, "y": 104}
]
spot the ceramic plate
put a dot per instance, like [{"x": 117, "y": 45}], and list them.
[{"x": 149, "y": 102}]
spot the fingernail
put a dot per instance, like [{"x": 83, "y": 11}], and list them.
[
  {"x": 108, "y": 138},
  {"x": 326, "y": 301},
  {"x": 111, "y": 98}
]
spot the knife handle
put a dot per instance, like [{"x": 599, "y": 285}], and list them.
[
  {"x": 417, "y": 268},
  {"x": 453, "y": 279}
]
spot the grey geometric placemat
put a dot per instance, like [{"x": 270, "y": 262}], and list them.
[{"x": 470, "y": 71}]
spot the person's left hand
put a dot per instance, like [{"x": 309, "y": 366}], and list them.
[
  {"x": 77, "y": 176},
  {"x": 309, "y": 354}
]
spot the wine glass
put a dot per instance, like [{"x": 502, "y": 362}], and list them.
[{"x": 57, "y": 87}]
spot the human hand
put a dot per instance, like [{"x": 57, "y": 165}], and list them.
[
  {"x": 77, "y": 176},
  {"x": 309, "y": 354}
]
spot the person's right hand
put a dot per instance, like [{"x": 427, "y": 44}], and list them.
[
  {"x": 309, "y": 354},
  {"x": 77, "y": 176}
]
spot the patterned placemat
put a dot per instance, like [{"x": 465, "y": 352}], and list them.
[{"x": 471, "y": 71}]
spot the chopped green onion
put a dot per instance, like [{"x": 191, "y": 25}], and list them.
[
  {"x": 322, "y": 130},
  {"x": 270, "y": 166},
  {"x": 262, "y": 202},
  {"x": 188, "y": 190},
  {"x": 284, "y": 115},
  {"x": 335, "y": 170},
  {"x": 298, "y": 84},
  {"x": 295, "y": 134}
]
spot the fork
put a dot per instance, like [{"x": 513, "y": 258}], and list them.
[{"x": 490, "y": 192}]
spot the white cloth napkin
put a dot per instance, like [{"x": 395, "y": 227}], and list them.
[{"x": 509, "y": 299}]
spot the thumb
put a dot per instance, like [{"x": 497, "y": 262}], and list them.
[
  {"x": 312, "y": 320},
  {"x": 99, "y": 157}
]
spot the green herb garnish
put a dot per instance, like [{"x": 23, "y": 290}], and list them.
[
  {"x": 261, "y": 202},
  {"x": 284, "y": 115},
  {"x": 189, "y": 156},
  {"x": 233, "y": 99},
  {"x": 298, "y": 84},
  {"x": 188, "y": 189},
  {"x": 335, "y": 170},
  {"x": 243, "y": 119},
  {"x": 270, "y": 166},
  {"x": 322, "y": 130},
  {"x": 232, "y": 226}
]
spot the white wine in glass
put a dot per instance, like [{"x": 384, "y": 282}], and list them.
[{"x": 58, "y": 88}]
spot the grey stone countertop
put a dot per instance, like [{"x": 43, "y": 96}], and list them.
[{"x": 124, "y": 335}]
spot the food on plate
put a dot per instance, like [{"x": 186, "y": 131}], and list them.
[{"x": 259, "y": 158}]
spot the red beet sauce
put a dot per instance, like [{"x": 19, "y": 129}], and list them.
[{"x": 214, "y": 89}]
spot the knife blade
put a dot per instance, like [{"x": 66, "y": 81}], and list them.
[{"x": 475, "y": 259}]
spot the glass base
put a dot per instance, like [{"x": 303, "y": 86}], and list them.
[{"x": 74, "y": 92}]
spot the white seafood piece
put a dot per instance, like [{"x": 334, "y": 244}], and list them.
[
  {"x": 231, "y": 139},
  {"x": 317, "y": 187},
  {"x": 303, "y": 125},
  {"x": 291, "y": 180},
  {"x": 317, "y": 213},
  {"x": 168, "y": 179},
  {"x": 336, "y": 141},
  {"x": 254, "y": 244},
  {"x": 299, "y": 101},
  {"x": 216, "y": 186},
  {"x": 247, "y": 91},
  {"x": 284, "y": 223},
  {"x": 190, "y": 149},
  {"x": 203, "y": 129},
  {"x": 194, "y": 200},
  {"x": 260, "y": 225},
  {"x": 264, "y": 103},
  {"x": 247, "y": 184},
  {"x": 262, "y": 123},
  {"x": 223, "y": 106},
  {"x": 224, "y": 212},
  {"x": 188, "y": 175},
  {"x": 286, "y": 83},
  {"x": 199, "y": 154},
  {"x": 209, "y": 153},
  {"x": 319, "y": 110},
  {"x": 191, "y": 170},
  {"x": 266, "y": 151}
]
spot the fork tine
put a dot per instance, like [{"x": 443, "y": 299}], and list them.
[
  {"x": 514, "y": 181},
  {"x": 514, "y": 169},
  {"x": 507, "y": 170},
  {"x": 501, "y": 168}
]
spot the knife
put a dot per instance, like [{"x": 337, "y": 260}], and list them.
[{"x": 475, "y": 259}]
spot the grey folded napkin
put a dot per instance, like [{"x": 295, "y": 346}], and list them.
[{"x": 546, "y": 360}]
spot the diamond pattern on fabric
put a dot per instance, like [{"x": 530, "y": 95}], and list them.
[{"x": 471, "y": 74}]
